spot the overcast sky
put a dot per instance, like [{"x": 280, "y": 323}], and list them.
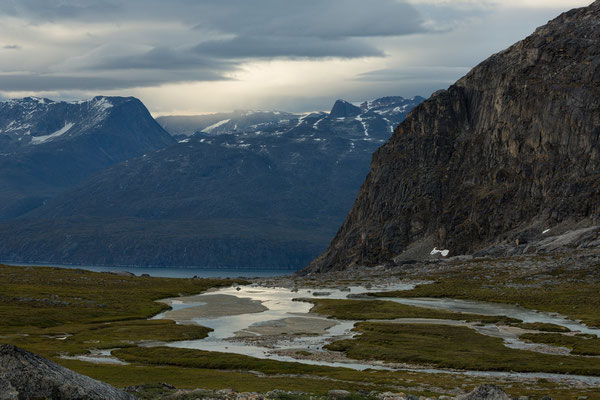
[{"x": 199, "y": 56}]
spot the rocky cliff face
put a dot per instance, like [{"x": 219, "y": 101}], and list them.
[
  {"x": 24, "y": 375},
  {"x": 509, "y": 150}
]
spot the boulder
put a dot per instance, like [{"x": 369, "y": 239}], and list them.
[{"x": 24, "y": 375}]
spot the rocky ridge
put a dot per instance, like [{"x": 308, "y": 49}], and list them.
[{"x": 510, "y": 150}]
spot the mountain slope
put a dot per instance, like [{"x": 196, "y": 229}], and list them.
[
  {"x": 268, "y": 195},
  {"x": 509, "y": 150},
  {"x": 49, "y": 146}
]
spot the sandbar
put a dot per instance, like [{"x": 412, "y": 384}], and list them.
[
  {"x": 288, "y": 326},
  {"x": 212, "y": 306}
]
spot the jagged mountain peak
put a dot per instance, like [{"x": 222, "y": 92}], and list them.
[{"x": 344, "y": 109}]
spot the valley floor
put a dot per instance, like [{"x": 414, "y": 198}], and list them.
[{"x": 528, "y": 324}]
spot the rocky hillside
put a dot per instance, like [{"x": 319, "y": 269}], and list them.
[
  {"x": 507, "y": 152},
  {"x": 267, "y": 193},
  {"x": 24, "y": 375},
  {"x": 48, "y": 146}
]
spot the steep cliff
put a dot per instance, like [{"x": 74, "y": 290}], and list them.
[{"x": 510, "y": 149}]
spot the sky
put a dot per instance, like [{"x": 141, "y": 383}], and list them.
[{"x": 199, "y": 56}]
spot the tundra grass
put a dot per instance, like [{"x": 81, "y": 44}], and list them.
[
  {"x": 361, "y": 310},
  {"x": 54, "y": 311},
  {"x": 543, "y": 327},
  {"x": 453, "y": 347},
  {"x": 568, "y": 289},
  {"x": 186, "y": 368},
  {"x": 579, "y": 345}
]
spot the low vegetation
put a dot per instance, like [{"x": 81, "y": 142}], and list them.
[
  {"x": 542, "y": 327},
  {"x": 361, "y": 310},
  {"x": 453, "y": 347},
  {"x": 579, "y": 345},
  {"x": 54, "y": 311}
]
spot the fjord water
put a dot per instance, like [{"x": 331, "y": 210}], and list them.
[{"x": 175, "y": 272}]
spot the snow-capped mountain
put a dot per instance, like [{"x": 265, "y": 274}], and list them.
[{"x": 46, "y": 145}]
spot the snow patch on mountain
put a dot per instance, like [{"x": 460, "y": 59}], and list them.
[
  {"x": 215, "y": 126},
  {"x": 60, "y": 132}
]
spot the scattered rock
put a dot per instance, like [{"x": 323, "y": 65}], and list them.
[
  {"x": 485, "y": 392},
  {"x": 339, "y": 394}
]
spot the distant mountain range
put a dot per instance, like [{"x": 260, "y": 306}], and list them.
[{"x": 245, "y": 189}]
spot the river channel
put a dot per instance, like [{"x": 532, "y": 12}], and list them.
[{"x": 269, "y": 323}]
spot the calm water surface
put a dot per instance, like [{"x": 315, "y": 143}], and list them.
[{"x": 176, "y": 272}]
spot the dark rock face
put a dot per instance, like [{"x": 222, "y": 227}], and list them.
[
  {"x": 509, "y": 150},
  {"x": 269, "y": 194},
  {"x": 48, "y": 146},
  {"x": 24, "y": 375}
]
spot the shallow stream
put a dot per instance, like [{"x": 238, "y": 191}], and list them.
[{"x": 281, "y": 309}]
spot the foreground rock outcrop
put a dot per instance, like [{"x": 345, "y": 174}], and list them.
[
  {"x": 508, "y": 151},
  {"x": 24, "y": 375},
  {"x": 485, "y": 392}
]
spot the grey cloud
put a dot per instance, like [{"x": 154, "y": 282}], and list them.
[
  {"x": 418, "y": 73},
  {"x": 316, "y": 18},
  {"x": 11, "y": 47},
  {"x": 126, "y": 57},
  {"x": 211, "y": 38},
  {"x": 43, "y": 10},
  {"x": 330, "y": 19},
  {"x": 43, "y": 82},
  {"x": 290, "y": 47}
]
